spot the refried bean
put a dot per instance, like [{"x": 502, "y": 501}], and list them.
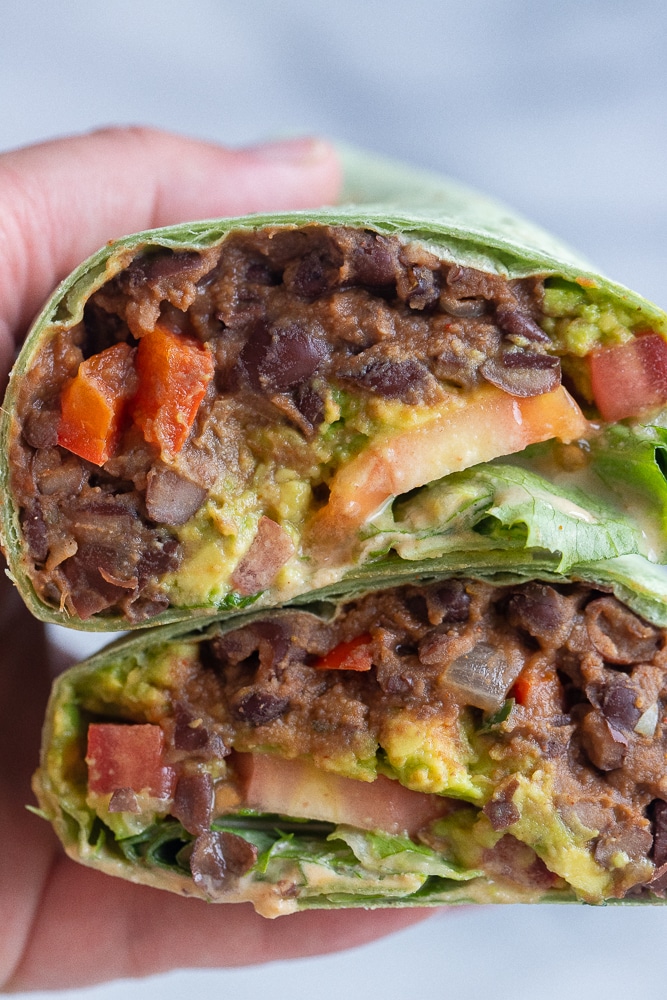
[
  {"x": 289, "y": 681},
  {"x": 286, "y": 315}
]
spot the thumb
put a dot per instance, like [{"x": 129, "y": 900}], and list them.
[{"x": 61, "y": 200}]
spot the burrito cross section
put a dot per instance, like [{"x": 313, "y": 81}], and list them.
[
  {"x": 221, "y": 425},
  {"x": 379, "y": 493},
  {"x": 445, "y": 742}
]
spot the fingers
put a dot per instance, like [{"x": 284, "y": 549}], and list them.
[
  {"x": 27, "y": 843},
  {"x": 61, "y": 200},
  {"x": 139, "y": 932}
]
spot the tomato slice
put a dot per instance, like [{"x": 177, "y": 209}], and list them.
[
  {"x": 94, "y": 402},
  {"x": 128, "y": 756},
  {"x": 629, "y": 378},
  {"x": 471, "y": 430},
  {"x": 353, "y": 655},
  {"x": 298, "y": 788},
  {"x": 174, "y": 371}
]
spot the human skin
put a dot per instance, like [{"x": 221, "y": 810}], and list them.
[{"x": 62, "y": 925}]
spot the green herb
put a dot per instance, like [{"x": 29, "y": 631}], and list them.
[
  {"x": 491, "y": 722},
  {"x": 233, "y": 600}
]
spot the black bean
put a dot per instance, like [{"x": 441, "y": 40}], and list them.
[
  {"x": 187, "y": 736},
  {"x": 164, "y": 556},
  {"x": 294, "y": 355},
  {"x": 271, "y": 639},
  {"x": 155, "y": 267},
  {"x": 315, "y": 274},
  {"x": 40, "y": 427},
  {"x": 276, "y": 636},
  {"x": 281, "y": 357},
  {"x": 517, "y": 324},
  {"x": 462, "y": 308},
  {"x": 123, "y": 506},
  {"x": 501, "y": 814},
  {"x": 217, "y": 855},
  {"x": 171, "y": 498},
  {"x": 396, "y": 683},
  {"x": 144, "y": 608},
  {"x": 393, "y": 379},
  {"x": 254, "y": 351},
  {"x": 89, "y": 592},
  {"x": 259, "y": 273},
  {"x": 193, "y": 802},
  {"x": 373, "y": 262},
  {"x": 309, "y": 404},
  {"x": 259, "y": 707},
  {"x": 449, "y": 603},
  {"x": 618, "y": 706},
  {"x": 542, "y": 612},
  {"x": 416, "y": 605},
  {"x": 605, "y": 745},
  {"x": 425, "y": 288},
  {"x": 523, "y": 374},
  {"x": 434, "y": 647}
]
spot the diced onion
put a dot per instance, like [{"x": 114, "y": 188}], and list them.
[
  {"x": 482, "y": 677},
  {"x": 648, "y": 721}
]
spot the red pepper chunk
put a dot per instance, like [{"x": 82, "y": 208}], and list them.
[
  {"x": 174, "y": 372},
  {"x": 128, "y": 756},
  {"x": 353, "y": 655},
  {"x": 94, "y": 402}
]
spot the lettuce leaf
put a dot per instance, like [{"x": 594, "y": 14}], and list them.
[
  {"x": 632, "y": 461},
  {"x": 384, "y": 852},
  {"x": 506, "y": 507}
]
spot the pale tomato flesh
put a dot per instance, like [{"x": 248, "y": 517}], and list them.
[
  {"x": 128, "y": 756},
  {"x": 298, "y": 788},
  {"x": 630, "y": 378}
]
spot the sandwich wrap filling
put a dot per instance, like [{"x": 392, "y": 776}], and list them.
[{"x": 444, "y": 742}]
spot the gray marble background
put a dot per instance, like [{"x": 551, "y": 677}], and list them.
[{"x": 560, "y": 109}]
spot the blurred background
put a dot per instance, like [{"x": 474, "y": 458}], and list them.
[{"x": 559, "y": 109}]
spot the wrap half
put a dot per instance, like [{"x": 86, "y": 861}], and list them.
[
  {"x": 430, "y": 743},
  {"x": 254, "y": 410}
]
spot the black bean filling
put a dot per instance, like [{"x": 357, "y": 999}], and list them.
[
  {"x": 588, "y": 687},
  {"x": 286, "y": 314}
]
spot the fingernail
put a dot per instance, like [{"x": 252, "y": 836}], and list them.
[{"x": 299, "y": 152}]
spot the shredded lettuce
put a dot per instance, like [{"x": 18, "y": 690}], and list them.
[
  {"x": 328, "y": 860},
  {"x": 384, "y": 852}
]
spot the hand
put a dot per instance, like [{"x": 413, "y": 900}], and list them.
[{"x": 63, "y": 925}]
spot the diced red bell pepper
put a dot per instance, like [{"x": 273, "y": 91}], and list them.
[
  {"x": 538, "y": 689},
  {"x": 631, "y": 378},
  {"x": 94, "y": 402},
  {"x": 353, "y": 655},
  {"x": 174, "y": 371},
  {"x": 128, "y": 756},
  {"x": 521, "y": 689}
]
